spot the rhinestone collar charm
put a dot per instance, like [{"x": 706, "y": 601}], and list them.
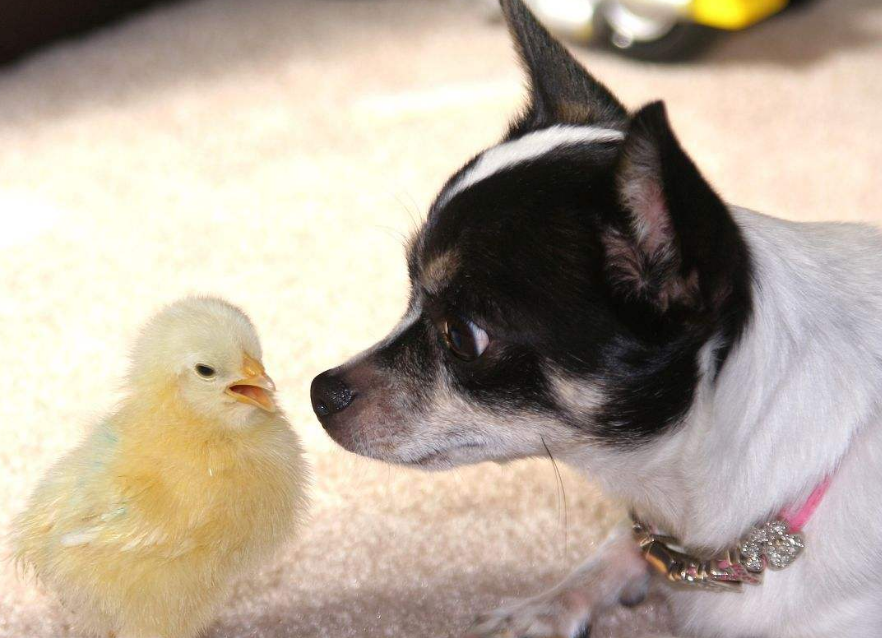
[{"x": 772, "y": 545}]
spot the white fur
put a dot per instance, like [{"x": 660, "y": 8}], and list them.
[
  {"x": 798, "y": 398},
  {"x": 529, "y": 147}
]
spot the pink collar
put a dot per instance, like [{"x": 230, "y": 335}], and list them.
[{"x": 796, "y": 518}]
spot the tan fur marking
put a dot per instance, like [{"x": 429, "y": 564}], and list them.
[
  {"x": 575, "y": 113},
  {"x": 438, "y": 272}
]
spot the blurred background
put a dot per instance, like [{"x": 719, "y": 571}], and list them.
[{"x": 278, "y": 153}]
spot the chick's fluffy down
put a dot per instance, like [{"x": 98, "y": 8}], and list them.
[{"x": 140, "y": 529}]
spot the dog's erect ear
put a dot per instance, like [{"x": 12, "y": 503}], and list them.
[
  {"x": 561, "y": 90},
  {"x": 677, "y": 244}
]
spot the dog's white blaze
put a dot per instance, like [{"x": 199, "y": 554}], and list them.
[{"x": 529, "y": 147}]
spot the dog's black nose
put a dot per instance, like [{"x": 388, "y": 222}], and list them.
[{"x": 329, "y": 394}]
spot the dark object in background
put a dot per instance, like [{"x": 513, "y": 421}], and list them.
[{"x": 28, "y": 24}]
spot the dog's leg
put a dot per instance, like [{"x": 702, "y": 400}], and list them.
[{"x": 617, "y": 573}]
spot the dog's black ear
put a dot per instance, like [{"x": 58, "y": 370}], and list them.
[
  {"x": 561, "y": 90},
  {"x": 677, "y": 244}
]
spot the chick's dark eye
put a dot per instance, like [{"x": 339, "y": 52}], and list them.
[
  {"x": 204, "y": 371},
  {"x": 464, "y": 339}
]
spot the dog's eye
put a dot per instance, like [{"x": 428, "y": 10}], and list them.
[{"x": 464, "y": 339}]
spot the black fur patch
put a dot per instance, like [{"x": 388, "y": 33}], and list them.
[
  {"x": 533, "y": 274},
  {"x": 535, "y": 271}
]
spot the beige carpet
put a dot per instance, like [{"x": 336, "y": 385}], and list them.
[{"x": 276, "y": 153}]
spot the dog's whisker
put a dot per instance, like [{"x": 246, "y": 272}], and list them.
[
  {"x": 413, "y": 210},
  {"x": 561, "y": 495},
  {"x": 391, "y": 232}
]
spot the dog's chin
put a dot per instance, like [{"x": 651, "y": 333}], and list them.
[
  {"x": 460, "y": 455},
  {"x": 445, "y": 459},
  {"x": 403, "y": 450},
  {"x": 434, "y": 460}
]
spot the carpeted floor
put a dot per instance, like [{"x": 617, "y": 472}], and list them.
[{"x": 277, "y": 152}]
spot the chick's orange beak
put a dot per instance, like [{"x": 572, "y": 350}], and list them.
[{"x": 255, "y": 387}]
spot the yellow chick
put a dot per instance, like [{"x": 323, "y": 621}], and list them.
[{"x": 196, "y": 477}]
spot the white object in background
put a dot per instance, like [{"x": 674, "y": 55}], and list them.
[{"x": 572, "y": 18}]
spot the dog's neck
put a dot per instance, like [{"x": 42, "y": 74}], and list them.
[{"x": 802, "y": 380}]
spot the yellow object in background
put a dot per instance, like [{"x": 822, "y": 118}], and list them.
[{"x": 734, "y": 14}]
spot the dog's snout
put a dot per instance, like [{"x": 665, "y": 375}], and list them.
[{"x": 329, "y": 394}]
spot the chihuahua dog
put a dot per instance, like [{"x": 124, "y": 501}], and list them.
[{"x": 579, "y": 288}]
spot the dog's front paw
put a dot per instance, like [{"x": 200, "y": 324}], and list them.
[{"x": 534, "y": 618}]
